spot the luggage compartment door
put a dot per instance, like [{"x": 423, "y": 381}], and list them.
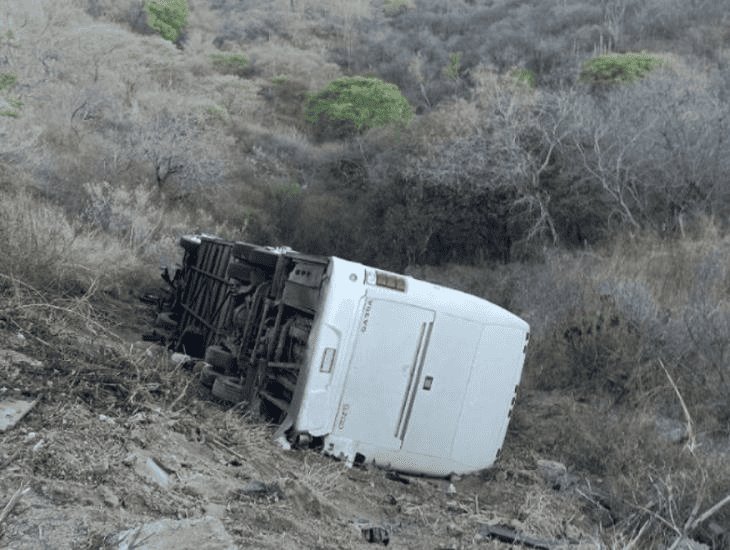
[
  {"x": 388, "y": 355},
  {"x": 439, "y": 393}
]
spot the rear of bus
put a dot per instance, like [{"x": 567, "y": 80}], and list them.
[{"x": 408, "y": 375}]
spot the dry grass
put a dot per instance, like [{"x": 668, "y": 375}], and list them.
[
  {"x": 635, "y": 301},
  {"x": 43, "y": 247},
  {"x": 115, "y": 242},
  {"x": 322, "y": 476}
]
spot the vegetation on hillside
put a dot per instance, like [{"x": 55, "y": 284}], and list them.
[
  {"x": 618, "y": 67},
  {"x": 546, "y": 165},
  {"x": 168, "y": 17},
  {"x": 356, "y": 103}
]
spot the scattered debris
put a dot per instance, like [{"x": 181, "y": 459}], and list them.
[
  {"x": 109, "y": 497},
  {"x": 150, "y": 468},
  {"x": 9, "y": 357},
  {"x": 107, "y": 419},
  {"x": 554, "y": 474},
  {"x": 507, "y": 534},
  {"x": 180, "y": 358},
  {"x": 12, "y": 411},
  {"x": 375, "y": 534},
  {"x": 187, "y": 534},
  {"x": 255, "y": 487},
  {"x": 157, "y": 472},
  {"x": 456, "y": 508},
  {"x": 8, "y": 459},
  {"x": 259, "y": 489},
  {"x": 130, "y": 459},
  {"x": 397, "y": 476}
]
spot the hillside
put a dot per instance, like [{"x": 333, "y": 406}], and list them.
[{"x": 565, "y": 159}]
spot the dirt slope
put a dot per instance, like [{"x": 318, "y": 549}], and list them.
[{"x": 121, "y": 437}]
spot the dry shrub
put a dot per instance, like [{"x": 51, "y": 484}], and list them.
[
  {"x": 646, "y": 479},
  {"x": 140, "y": 220},
  {"x": 629, "y": 473},
  {"x": 323, "y": 477},
  {"x": 543, "y": 513},
  {"x": 43, "y": 247},
  {"x": 602, "y": 319},
  {"x": 595, "y": 395},
  {"x": 280, "y": 59},
  {"x": 286, "y": 98},
  {"x": 118, "y": 238},
  {"x": 592, "y": 346},
  {"x": 603, "y": 324}
]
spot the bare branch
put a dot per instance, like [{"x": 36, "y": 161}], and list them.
[{"x": 692, "y": 440}]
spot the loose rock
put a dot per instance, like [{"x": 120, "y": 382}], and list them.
[
  {"x": 110, "y": 499},
  {"x": 258, "y": 489},
  {"x": 12, "y": 411},
  {"x": 554, "y": 473}
]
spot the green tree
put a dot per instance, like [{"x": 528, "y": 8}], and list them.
[
  {"x": 618, "y": 67},
  {"x": 355, "y": 104},
  {"x": 168, "y": 17}
]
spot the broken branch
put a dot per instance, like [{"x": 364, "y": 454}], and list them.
[{"x": 13, "y": 501}]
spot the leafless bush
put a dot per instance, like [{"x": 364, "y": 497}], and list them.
[
  {"x": 130, "y": 13},
  {"x": 653, "y": 492},
  {"x": 500, "y": 152},
  {"x": 602, "y": 319},
  {"x": 545, "y": 168},
  {"x": 43, "y": 247},
  {"x": 668, "y": 162}
]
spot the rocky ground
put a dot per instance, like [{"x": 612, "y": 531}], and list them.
[{"x": 123, "y": 448}]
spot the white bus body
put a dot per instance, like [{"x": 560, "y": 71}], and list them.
[
  {"x": 420, "y": 380},
  {"x": 367, "y": 365}
]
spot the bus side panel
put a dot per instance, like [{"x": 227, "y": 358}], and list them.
[
  {"x": 385, "y": 355},
  {"x": 488, "y": 398}
]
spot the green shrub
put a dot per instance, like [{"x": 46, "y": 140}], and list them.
[
  {"x": 10, "y": 108},
  {"x": 524, "y": 77},
  {"x": 230, "y": 63},
  {"x": 168, "y": 17},
  {"x": 357, "y": 103},
  {"x": 618, "y": 67},
  {"x": 7, "y": 81}
]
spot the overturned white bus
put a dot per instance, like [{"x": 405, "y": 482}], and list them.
[{"x": 367, "y": 365}]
